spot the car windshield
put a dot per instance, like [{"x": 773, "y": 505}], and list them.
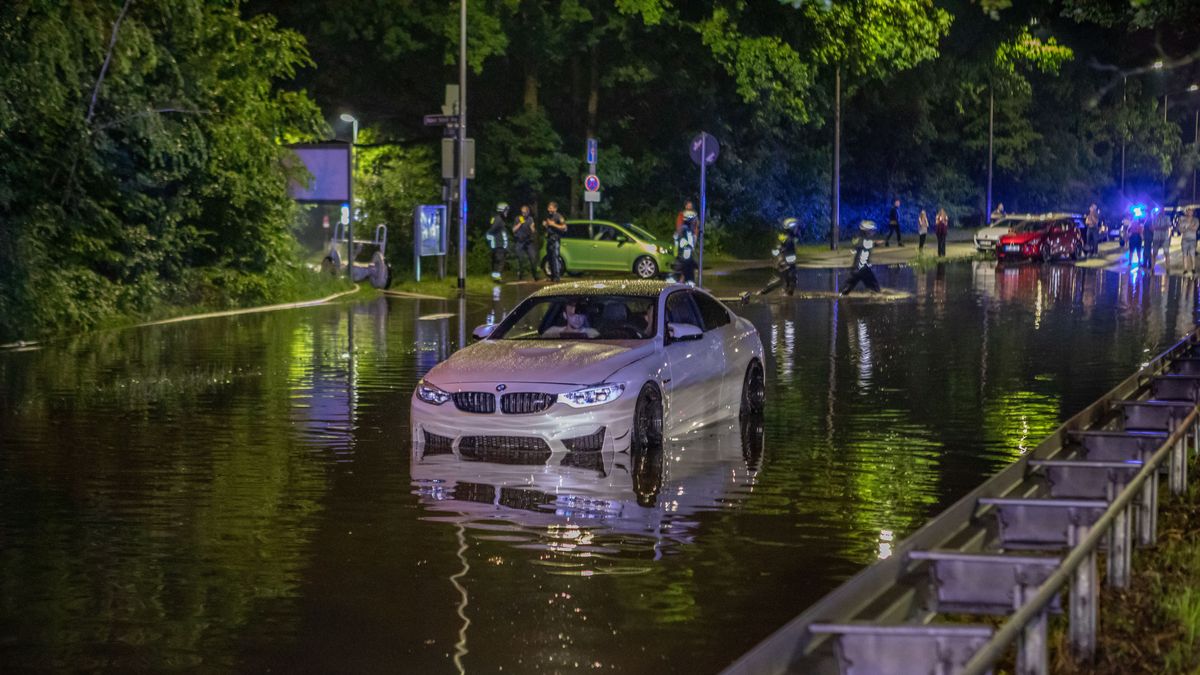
[
  {"x": 640, "y": 233},
  {"x": 581, "y": 317},
  {"x": 1030, "y": 226}
]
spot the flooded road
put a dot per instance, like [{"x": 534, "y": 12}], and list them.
[{"x": 237, "y": 493}]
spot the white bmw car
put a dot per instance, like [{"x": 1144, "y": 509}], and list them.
[{"x": 589, "y": 367}]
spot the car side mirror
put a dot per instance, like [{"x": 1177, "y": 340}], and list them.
[
  {"x": 679, "y": 332},
  {"x": 483, "y": 332},
  {"x": 622, "y": 240}
]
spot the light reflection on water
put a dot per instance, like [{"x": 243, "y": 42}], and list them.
[{"x": 237, "y": 494}]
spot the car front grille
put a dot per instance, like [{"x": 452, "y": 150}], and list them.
[
  {"x": 526, "y": 402},
  {"x": 504, "y": 449},
  {"x": 475, "y": 401},
  {"x": 593, "y": 442},
  {"x": 437, "y": 445}
]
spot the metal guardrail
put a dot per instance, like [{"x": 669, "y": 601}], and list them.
[{"x": 1085, "y": 487}]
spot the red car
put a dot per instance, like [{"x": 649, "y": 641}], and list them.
[{"x": 1043, "y": 238}]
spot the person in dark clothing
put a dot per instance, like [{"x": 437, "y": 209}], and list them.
[
  {"x": 524, "y": 236},
  {"x": 555, "y": 226},
  {"x": 941, "y": 227},
  {"x": 785, "y": 258},
  {"x": 860, "y": 269},
  {"x": 497, "y": 238},
  {"x": 1148, "y": 245},
  {"x": 893, "y": 225}
]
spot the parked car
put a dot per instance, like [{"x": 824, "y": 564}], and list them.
[
  {"x": 1044, "y": 238},
  {"x": 602, "y": 246},
  {"x": 591, "y": 367},
  {"x": 987, "y": 238}
]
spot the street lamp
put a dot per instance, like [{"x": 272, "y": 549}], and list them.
[{"x": 347, "y": 117}]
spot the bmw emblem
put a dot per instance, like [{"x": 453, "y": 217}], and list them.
[{"x": 501, "y": 387}]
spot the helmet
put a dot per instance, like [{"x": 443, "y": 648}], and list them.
[
  {"x": 868, "y": 227},
  {"x": 501, "y": 207},
  {"x": 788, "y": 224}
]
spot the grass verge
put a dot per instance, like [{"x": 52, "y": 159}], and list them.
[{"x": 1153, "y": 627}]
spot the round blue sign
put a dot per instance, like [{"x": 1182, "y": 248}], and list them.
[{"x": 591, "y": 183}]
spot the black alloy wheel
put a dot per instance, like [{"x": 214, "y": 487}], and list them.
[
  {"x": 648, "y": 418},
  {"x": 754, "y": 390}
]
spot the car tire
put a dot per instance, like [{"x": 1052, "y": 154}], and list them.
[
  {"x": 645, "y": 267},
  {"x": 754, "y": 390},
  {"x": 562, "y": 266},
  {"x": 647, "y": 418}
]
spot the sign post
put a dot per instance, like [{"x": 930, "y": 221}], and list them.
[
  {"x": 589, "y": 197},
  {"x": 704, "y": 151}
]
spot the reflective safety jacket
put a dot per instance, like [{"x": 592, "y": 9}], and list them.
[
  {"x": 862, "y": 253},
  {"x": 497, "y": 234}
]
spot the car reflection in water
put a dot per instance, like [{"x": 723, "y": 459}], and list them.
[{"x": 651, "y": 492}]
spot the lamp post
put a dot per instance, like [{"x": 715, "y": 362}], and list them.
[
  {"x": 1157, "y": 65},
  {"x": 347, "y": 117},
  {"x": 987, "y": 216},
  {"x": 462, "y": 147}
]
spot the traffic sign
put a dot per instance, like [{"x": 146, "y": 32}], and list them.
[
  {"x": 591, "y": 183},
  {"x": 441, "y": 120},
  {"x": 591, "y": 151},
  {"x": 591, "y": 198},
  {"x": 705, "y": 146}
]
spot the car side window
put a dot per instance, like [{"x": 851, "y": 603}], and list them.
[
  {"x": 604, "y": 233},
  {"x": 681, "y": 309},
  {"x": 711, "y": 311},
  {"x": 576, "y": 231}
]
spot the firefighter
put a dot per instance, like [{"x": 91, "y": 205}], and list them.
[
  {"x": 497, "y": 238},
  {"x": 860, "y": 269}
]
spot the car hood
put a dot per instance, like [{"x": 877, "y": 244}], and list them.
[
  {"x": 538, "y": 361},
  {"x": 992, "y": 232},
  {"x": 1021, "y": 237}
]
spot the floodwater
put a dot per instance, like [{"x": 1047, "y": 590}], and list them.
[{"x": 238, "y": 494}]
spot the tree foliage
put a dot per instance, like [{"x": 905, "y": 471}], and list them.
[{"x": 141, "y": 155}]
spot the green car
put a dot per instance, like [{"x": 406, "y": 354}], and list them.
[{"x": 601, "y": 246}]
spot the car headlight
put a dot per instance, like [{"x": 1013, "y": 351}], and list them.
[
  {"x": 431, "y": 394},
  {"x": 598, "y": 395},
  {"x": 664, "y": 249}
]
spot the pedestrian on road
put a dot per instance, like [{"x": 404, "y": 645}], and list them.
[
  {"x": 1134, "y": 237},
  {"x": 525, "y": 243},
  {"x": 998, "y": 213},
  {"x": 893, "y": 225},
  {"x": 1147, "y": 245},
  {"x": 922, "y": 230},
  {"x": 1162, "y": 240},
  {"x": 941, "y": 227},
  {"x": 1188, "y": 225},
  {"x": 860, "y": 269},
  {"x": 497, "y": 238},
  {"x": 1091, "y": 224},
  {"x": 555, "y": 226}
]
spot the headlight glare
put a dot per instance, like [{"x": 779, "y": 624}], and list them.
[
  {"x": 431, "y": 394},
  {"x": 598, "y": 395}
]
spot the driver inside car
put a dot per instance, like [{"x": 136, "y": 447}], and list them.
[{"x": 575, "y": 323}]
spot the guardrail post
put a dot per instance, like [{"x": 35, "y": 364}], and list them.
[
  {"x": 1031, "y": 646},
  {"x": 1148, "y": 508},
  {"x": 1083, "y": 601},
  {"x": 1120, "y": 537},
  {"x": 1174, "y": 461}
]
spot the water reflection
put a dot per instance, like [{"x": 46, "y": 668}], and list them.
[
  {"x": 240, "y": 494},
  {"x": 577, "y": 508}
]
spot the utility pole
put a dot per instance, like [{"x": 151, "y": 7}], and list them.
[
  {"x": 1196, "y": 147},
  {"x": 347, "y": 117},
  {"x": 835, "y": 190},
  {"x": 987, "y": 216},
  {"x": 462, "y": 147},
  {"x": 1124, "y": 93}
]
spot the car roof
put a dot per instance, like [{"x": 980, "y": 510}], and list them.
[
  {"x": 1042, "y": 216},
  {"x": 585, "y": 221},
  {"x": 640, "y": 287}
]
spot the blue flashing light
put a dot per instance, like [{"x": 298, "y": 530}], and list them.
[{"x": 1138, "y": 210}]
